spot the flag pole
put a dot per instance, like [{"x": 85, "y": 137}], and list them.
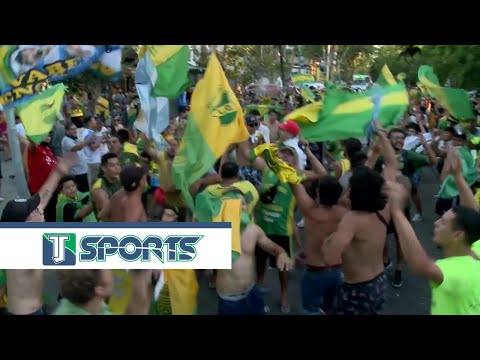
[{"x": 20, "y": 179}]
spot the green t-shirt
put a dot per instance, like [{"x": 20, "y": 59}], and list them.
[
  {"x": 459, "y": 293},
  {"x": 408, "y": 161},
  {"x": 276, "y": 218},
  {"x": 66, "y": 307},
  {"x": 476, "y": 247}
]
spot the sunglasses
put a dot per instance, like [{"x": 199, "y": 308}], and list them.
[{"x": 253, "y": 124}]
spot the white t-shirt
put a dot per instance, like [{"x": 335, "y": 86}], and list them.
[
  {"x": 93, "y": 156},
  {"x": 265, "y": 131},
  {"x": 302, "y": 158},
  {"x": 104, "y": 146},
  {"x": 20, "y": 130}
]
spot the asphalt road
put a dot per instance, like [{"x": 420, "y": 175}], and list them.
[{"x": 413, "y": 298}]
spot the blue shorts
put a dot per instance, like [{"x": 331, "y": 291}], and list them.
[
  {"x": 320, "y": 286},
  {"x": 366, "y": 298},
  {"x": 248, "y": 303}
]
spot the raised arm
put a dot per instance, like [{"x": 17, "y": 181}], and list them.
[
  {"x": 48, "y": 188},
  {"x": 147, "y": 144},
  {"x": 418, "y": 260},
  {"x": 467, "y": 198}
]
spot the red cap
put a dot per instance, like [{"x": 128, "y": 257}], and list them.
[
  {"x": 290, "y": 127},
  {"x": 159, "y": 196}
]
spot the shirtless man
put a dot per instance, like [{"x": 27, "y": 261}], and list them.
[
  {"x": 126, "y": 204},
  {"x": 236, "y": 289},
  {"x": 321, "y": 282},
  {"x": 360, "y": 239},
  {"x": 25, "y": 287}
]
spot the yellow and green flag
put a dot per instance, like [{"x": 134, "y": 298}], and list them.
[
  {"x": 386, "y": 77},
  {"x": 214, "y": 122},
  {"x": 299, "y": 79},
  {"x": 39, "y": 113},
  {"x": 345, "y": 114},
  {"x": 167, "y": 67},
  {"x": 183, "y": 290},
  {"x": 456, "y": 101}
]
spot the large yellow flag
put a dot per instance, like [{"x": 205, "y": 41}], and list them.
[{"x": 215, "y": 121}]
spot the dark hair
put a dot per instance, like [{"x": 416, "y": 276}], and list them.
[
  {"x": 441, "y": 110},
  {"x": 366, "y": 190},
  {"x": 358, "y": 159},
  {"x": 229, "y": 170},
  {"x": 414, "y": 126},
  {"x": 254, "y": 113},
  {"x": 68, "y": 124},
  {"x": 273, "y": 111},
  {"x": 329, "y": 190},
  {"x": 107, "y": 157},
  {"x": 88, "y": 119},
  {"x": 395, "y": 130},
  {"x": 78, "y": 286},
  {"x": 352, "y": 145},
  {"x": 123, "y": 136},
  {"x": 468, "y": 221},
  {"x": 423, "y": 109},
  {"x": 65, "y": 179}
]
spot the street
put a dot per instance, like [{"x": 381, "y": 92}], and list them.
[{"x": 413, "y": 298}]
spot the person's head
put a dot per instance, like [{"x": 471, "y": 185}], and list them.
[
  {"x": 256, "y": 114},
  {"x": 114, "y": 145},
  {"x": 172, "y": 148},
  {"x": 183, "y": 113},
  {"x": 366, "y": 190},
  {"x": 458, "y": 226},
  {"x": 80, "y": 286},
  {"x": 110, "y": 165},
  {"x": 133, "y": 178},
  {"x": 123, "y": 136},
  {"x": 273, "y": 116},
  {"x": 229, "y": 171},
  {"x": 68, "y": 187},
  {"x": 447, "y": 134},
  {"x": 351, "y": 146},
  {"x": 397, "y": 138},
  {"x": 358, "y": 159},
  {"x": 459, "y": 138},
  {"x": 70, "y": 129},
  {"x": 23, "y": 210},
  {"x": 116, "y": 120},
  {"x": 329, "y": 191},
  {"x": 99, "y": 125},
  {"x": 413, "y": 129},
  {"x": 288, "y": 130},
  {"x": 252, "y": 123},
  {"x": 91, "y": 123},
  {"x": 289, "y": 155}
]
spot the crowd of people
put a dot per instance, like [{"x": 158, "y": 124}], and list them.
[{"x": 350, "y": 196}]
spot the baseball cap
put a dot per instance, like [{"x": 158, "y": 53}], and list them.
[
  {"x": 131, "y": 176},
  {"x": 18, "y": 210},
  {"x": 290, "y": 126},
  {"x": 250, "y": 119}
]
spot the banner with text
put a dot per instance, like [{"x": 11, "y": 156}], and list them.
[{"x": 115, "y": 246}]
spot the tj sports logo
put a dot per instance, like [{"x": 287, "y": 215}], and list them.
[{"x": 59, "y": 249}]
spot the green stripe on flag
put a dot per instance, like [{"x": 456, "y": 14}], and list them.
[{"x": 39, "y": 113}]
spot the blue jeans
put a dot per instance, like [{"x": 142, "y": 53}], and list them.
[
  {"x": 248, "y": 303},
  {"x": 320, "y": 288}
]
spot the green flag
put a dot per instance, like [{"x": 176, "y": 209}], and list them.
[
  {"x": 456, "y": 101},
  {"x": 345, "y": 114},
  {"x": 39, "y": 113}
]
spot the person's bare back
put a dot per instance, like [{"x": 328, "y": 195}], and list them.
[
  {"x": 25, "y": 291},
  {"x": 363, "y": 257},
  {"x": 319, "y": 225},
  {"x": 241, "y": 277},
  {"x": 126, "y": 207}
]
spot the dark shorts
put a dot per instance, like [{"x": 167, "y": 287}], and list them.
[
  {"x": 320, "y": 287},
  {"x": 366, "y": 298},
  {"x": 391, "y": 226},
  {"x": 6, "y": 312},
  {"x": 262, "y": 256},
  {"x": 415, "y": 182},
  {"x": 251, "y": 174},
  {"x": 248, "y": 303}
]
